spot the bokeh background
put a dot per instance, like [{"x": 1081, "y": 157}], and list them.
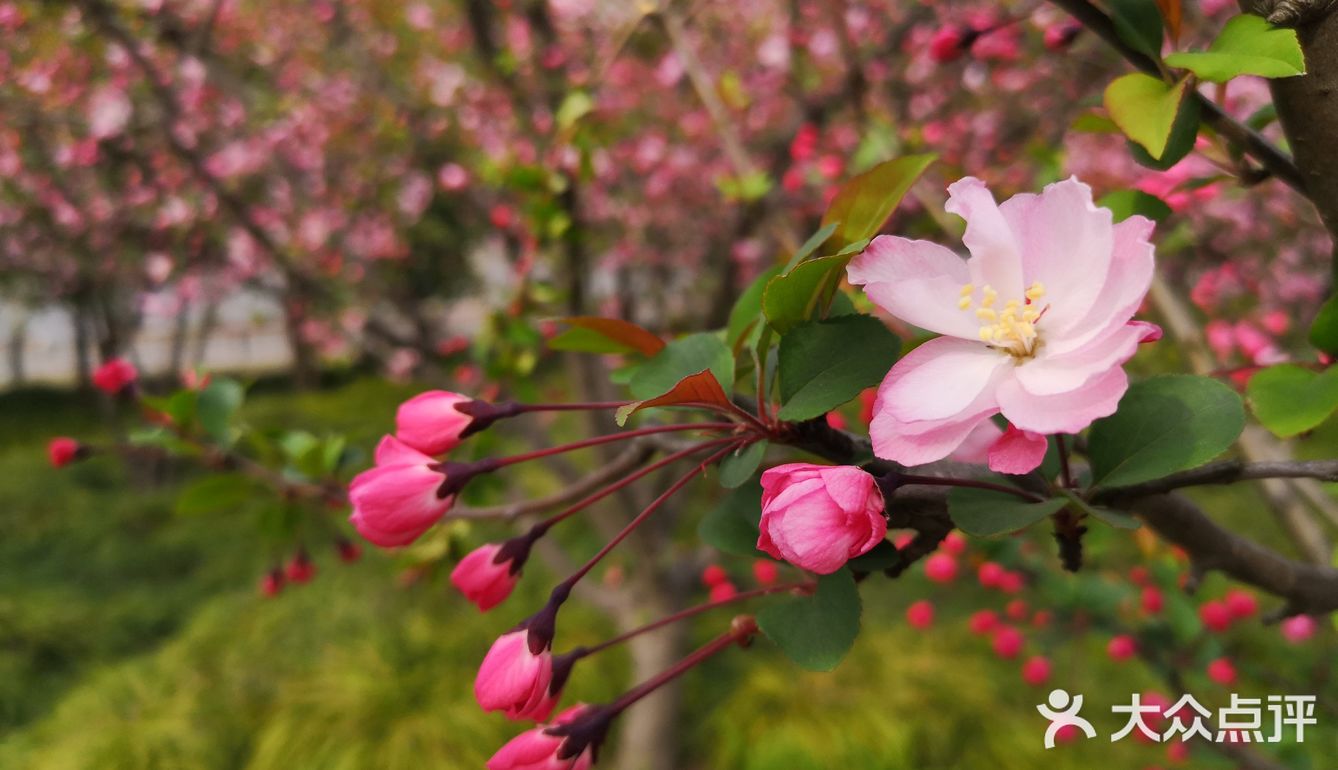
[{"x": 344, "y": 202}]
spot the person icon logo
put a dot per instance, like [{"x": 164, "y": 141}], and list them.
[{"x": 1062, "y": 712}]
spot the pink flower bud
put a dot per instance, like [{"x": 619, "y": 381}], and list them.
[
  {"x": 1122, "y": 647},
  {"x": 1241, "y": 604},
  {"x": 954, "y": 543},
  {"x": 487, "y": 575},
  {"x": 990, "y": 574},
  {"x": 1007, "y": 642},
  {"x": 1215, "y": 615},
  {"x": 722, "y": 592},
  {"x": 947, "y": 44},
  {"x": 920, "y": 614},
  {"x": 1016, "y": 609},
  {"x": 983, "y": 622},
  {"x": 1061, "y": 36},
  {"x": 1222, "y": 671},
  {"x": 397, "y": 500},
  {"x": 538, "y": 749},
  {"x": 941, "y": 567},
  {"x": 1152, "y": 600},
  {"x": 349, "y": 551},
  {"x": 1036, "y": 670},
  {"x": 515, "y": 680},
  {"x": 299, "y": 569},
  {"x": 714, "y": 575},
  {"x": 431, "y": 423},
  {"x": 765, "y": 572},
  {"x": 817, "y": 517},
  {"x": 114, "y": 376},
  {"x": 272, "y": 583},
  {"x": 1298, "y": 628},
  {"x": 62, "y": 451}
]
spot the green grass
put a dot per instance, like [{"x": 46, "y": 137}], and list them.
[{"x": 134, "y": 639}]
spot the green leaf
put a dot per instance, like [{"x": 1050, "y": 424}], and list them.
[
  {"x": 1289, "y": 400},
  {"x": 1248, "y": 45},
  {"x": 1145, "y": 109},
  {"x": 681, "y": 358},
  {"x": 590, "y": 334},
  {"x": 984, "y": 512},
  {"x": 865, "y": 202},
  {"x": 816, "y": 631},
  {"x": 824, "y": 364},
  {"x": 1164, "y": 425},
  {"x": 810, "y": 246},
  {"x": 1324, "y": 329},
  {"x": 219, "y": 493},
  {"x": 1126, "y": 203},
  {"x": 732, "y": 526},
  {"x": 1139, "y": 24},
  {"x": 216, "y": 407},
  {"x": 739, "y": 466},
  {"x": 1184, "y": 134},
  {"x": 746, "y": 315},
  {"x": 803, "y": 293},
  {"x": 576, "y": 105}
]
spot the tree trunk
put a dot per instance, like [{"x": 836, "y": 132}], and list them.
[
  {"x": 304, "y": 360},
  {"x": 18, "y": 338},
  {"x": 648, "y": 736}
]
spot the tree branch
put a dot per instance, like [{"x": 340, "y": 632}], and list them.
[{"x": 1227, "y": 472}]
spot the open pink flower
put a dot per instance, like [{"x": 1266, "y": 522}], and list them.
[
  {"x": 397, "y": 500},
  {"x": 818, "y": 517},
  {"x": 487, "y": 575},
  {"x": 538, "y": 749},
  {"x": 431, "y": 423},
  {"x": 1036, "y": 324},
  {"x": 515, "y": 680}
]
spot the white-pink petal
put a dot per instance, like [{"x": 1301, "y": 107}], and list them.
[
  {"x": 940, "y": 378},
  {"x": 996, "y": 260},
  {"x": 917, "y": 281},
  {"x": 1062, "y": 412}
]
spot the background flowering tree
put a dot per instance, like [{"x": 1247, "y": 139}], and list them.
[{"x": 635, "y": 169}]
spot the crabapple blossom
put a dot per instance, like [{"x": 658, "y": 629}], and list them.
[
  {"x": 941, "y": 568},
  {"x": 983, "y": 622},
  {"x": 398, "y": 500},
  {"x": 1035, "y": 325},
  {"x": 818, "y": 517},
  {"x": 487, "y": 575},
  {"x": 115, "y": 375},
  {"x": 1215, "y": 615},
  {"x": 1007, "y": 642},
  {"x": 539, "y": 749},
  {"x": 62, "y": 451},
  {"x": 431, "y": 422},
  {"x": 515, "y": 680}
]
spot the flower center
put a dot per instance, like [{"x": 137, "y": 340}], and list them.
[{"x": 1011, "y": 328}]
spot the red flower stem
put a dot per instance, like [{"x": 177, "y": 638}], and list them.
[
  {"x": 595, "y": 497},
  {"x": 565, "y": 586},
  {"x": 939, "y": 481},
  {"x": 502, "y": 462},
  {"x": 743, "y": 628},
  {"x": 587, "y": 406},
  {"x": 693, "y": 611}
]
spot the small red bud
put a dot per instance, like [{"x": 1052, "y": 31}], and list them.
[
  {"x": 1036, "y": 670},
  {"x": 349, "y": 551},
  {"x": 62, "y": 451},
  {"x": 920, "y": 614},
  {"x": 765, "y": 572},
  {"x": 1122, "y": 647},
  {"x": 714, "y": 575},
  {"x": 272, "y": 583}
]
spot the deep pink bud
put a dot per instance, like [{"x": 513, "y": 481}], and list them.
[
  {"x": 1241, "y": 604},
  {"x": 983, "y": 622},
  {"x": 538, "y": 749},
  {"x": 62, "y": 451},
  {"x": 721, "y": 592},
  {"x": 1298, "y": 628},
  {"x": 817, "y": 517},
  {"x": 487, "y": 575},
  {"x": 990, "y": 574},
  {"x": 272, "y": 583},
  {"x": 514, "y": 680},
  {"x": 941, "y": 567},
  {"x": 1215, "y": 615},
  {"x": 397, "y": 500},
  {"x": 1007, "y": 642},
  {"x": 1152, "y": 600},
  {"x": 954, "y": 543},
  {"x": 1011, "y": 582},
  {"x": 714, "y": 575},
  {"x": 1061, "y": 36},
  {"x": 765, "y": 572},
  {"x": 114, "y": 376},
  {"x": 300, "y": 569},
  {"x": 1122, "y": 647},
  {"x": 920, "y": 614},
  {"x": 349, "y": 551},
  {"x": 431, "y": 423},
  {"x": 948, "y": 44},
  {"x": 1036, "y": 670},
  {"x": 1222, "y": 671}
]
